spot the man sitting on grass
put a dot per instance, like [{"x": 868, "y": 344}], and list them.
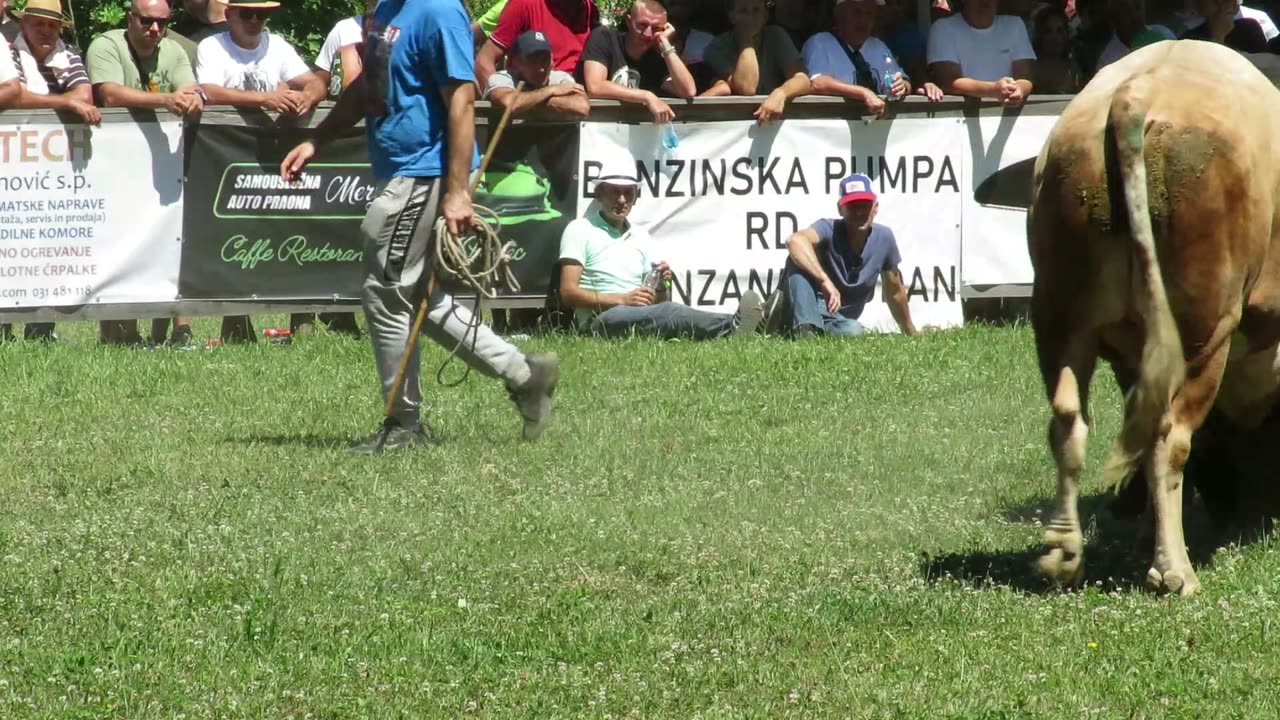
[
  {"x": 832, "y": 268},
  {"x": 604, "y": 259}
]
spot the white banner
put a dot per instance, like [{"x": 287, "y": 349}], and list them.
[
  {"x": 997, "y": 191},
  {"x": 90, "y": 214},
  {"x": 723, "y": 203}
]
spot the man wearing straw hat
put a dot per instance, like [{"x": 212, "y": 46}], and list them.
[
  {"x": 417, "y": 95},
  {"x": 51, "y": 76}
]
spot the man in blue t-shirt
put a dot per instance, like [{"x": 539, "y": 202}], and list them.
[
  {"x": 832, "y": 269},
  {"x": 417, "y": 96}
]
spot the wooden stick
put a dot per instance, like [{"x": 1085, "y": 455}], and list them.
[{"x": 431, "y": 280}]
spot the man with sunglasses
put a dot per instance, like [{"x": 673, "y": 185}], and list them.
[
  {"x": 417, "y": 97},
  {"x": 249, "y": 67},
  {"x": 141, "y": 67}
]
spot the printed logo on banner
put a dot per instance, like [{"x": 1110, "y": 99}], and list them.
[
  {"x": 326, "y": 191},
  {"x": 723, "y": 209}
]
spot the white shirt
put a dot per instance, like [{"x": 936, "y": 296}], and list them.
[
  {"x": 219, "y": 61},
  {"x": 824, "y": 54},
  {"x": 987, "y": 54},
  {"x": 346, "y": 33},
  {"x": 7, "y": 69},
  {"x": 1116, "y": 49}
]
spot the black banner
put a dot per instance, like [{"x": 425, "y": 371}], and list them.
[{"x": 247, "y": 234}]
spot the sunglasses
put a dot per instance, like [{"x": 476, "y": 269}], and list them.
[
  {"x": 160, "y": 22},
  {"x": 254, "y": 14}
]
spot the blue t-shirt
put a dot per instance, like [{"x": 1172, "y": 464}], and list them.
[
  {"x": 414, "y": 49},
  {"x": 854, "y": 274}
]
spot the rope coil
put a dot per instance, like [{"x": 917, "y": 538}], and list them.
[{"x": 478, "y": 259}]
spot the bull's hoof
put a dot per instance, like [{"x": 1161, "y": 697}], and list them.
[
  {"x": 1173, "y": 581},
  {"x": 1063, "y": 564}
]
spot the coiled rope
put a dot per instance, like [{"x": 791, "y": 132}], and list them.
[{"x": 479, "y": 260}]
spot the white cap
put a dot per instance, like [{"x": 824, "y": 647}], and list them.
[{"x": 618, "y": 167}]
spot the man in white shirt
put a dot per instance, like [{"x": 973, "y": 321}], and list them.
[
  {"x": 852, "y": 63},
  {"x": 981, "y": 54},
  {"x": 250, "y": 68}
]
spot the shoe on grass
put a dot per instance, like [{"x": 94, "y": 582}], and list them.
[
  {"x": 392, "y": 436},
  {"x": 534, "y": 399},
  {"x": 750, "y": 312}
]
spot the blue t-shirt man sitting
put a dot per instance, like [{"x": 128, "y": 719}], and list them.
[{"x": 832, "y": 268}]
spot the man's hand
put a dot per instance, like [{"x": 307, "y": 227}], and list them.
[
  {"x": 875, "y": 103},
  {"x": 87, "y": 112},
  {"x": 639, "y": 297},
  {"x": 279, "y": 101},
  {"x": 900, "y": 86},
  {"x": 1010, "y": 92},
  {"x": 660, "y": 110},
  {"x": 665, "y": 269},
  {"x": 931, "y": 91},
  {"x": 297, "y": 159},
  {"x": 772, "y": 107},
  {"x": 457, "y": 211},
  {"x": 832, "y": 294},
  {"x": 567, "y": 89},
  {"x": 664, "y": 37}
]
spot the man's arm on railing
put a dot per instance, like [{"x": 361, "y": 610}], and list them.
[
  {"x": 276, "y": 101},
  {"x": 78, "y": 100},
  {"x": 774, "y": 105},
  {"x": 827, "y": 85},
  {"x": 595, "y": 77}
]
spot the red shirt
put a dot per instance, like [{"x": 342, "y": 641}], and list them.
[{"x": 566, "y": 23}]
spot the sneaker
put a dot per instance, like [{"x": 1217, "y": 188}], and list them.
[
  {"x": 750, "y": 312},
  {"x": 393, "y": 436},
  {"x": 534, "y": 399},
  {"x": 774, "y": 321}
]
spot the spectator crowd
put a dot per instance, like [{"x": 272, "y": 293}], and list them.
[{"x": 654, "y": 53}]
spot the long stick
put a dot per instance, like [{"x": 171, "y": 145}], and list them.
[{"x": 431, "y": 281}]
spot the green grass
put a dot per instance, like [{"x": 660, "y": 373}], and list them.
[{"x": 740, "y": 529}]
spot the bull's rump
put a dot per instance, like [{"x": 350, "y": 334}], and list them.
[{"x": 1210, "y": 161}]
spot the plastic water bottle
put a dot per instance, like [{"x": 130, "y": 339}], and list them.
[
  {"x": 670, "y": 140},
  {"x": 888, "y": 84},
  {"x": 653, "y": 278}
]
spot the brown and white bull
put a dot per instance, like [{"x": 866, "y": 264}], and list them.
[{"x": 1154, "y": 231}]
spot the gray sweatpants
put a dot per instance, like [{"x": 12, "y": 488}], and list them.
[{"x": 399, "y": 237}]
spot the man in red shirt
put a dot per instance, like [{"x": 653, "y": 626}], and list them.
[{"x": 566, "y": 23}]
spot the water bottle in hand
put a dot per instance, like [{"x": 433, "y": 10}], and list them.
[{"x": 653, "y": 278}]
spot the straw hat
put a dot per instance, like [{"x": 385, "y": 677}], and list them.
[{"x": 48, "y": 9}]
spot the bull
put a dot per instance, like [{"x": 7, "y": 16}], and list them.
[{"x": 1154, "y": 233}]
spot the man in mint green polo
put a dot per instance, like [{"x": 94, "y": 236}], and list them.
[{"x": 604, "y": 259}]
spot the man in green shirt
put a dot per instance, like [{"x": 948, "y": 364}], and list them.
[{"x": 141, "y": 67}]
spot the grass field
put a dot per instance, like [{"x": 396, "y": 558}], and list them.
[{"x": 743, "y": 529}]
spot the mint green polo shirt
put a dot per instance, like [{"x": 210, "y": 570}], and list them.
[{"x": 613, "y": 261}]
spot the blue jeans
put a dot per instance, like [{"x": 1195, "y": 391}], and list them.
[
  {"x": 665, "y": 320},
  {"x": 809, "y": 307}
]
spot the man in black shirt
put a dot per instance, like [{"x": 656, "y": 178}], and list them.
[{"x": 637, "y": 65}]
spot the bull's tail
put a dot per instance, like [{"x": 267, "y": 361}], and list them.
[{"x": 1162, "y": 369}]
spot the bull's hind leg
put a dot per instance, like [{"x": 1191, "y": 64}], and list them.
[
  {"x": 1067, "y": 375},
  {"x": 1171, "y": 569}
]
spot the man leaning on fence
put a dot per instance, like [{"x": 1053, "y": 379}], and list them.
[
  {"x": 637, "y": 64},
  {"x": 247, "y": 67},
  {"x": 544, "y": 87},
  {"x": 604, "y": 260},
  {"x": 756, "y": 58},
  {"x": 417, "y": 94},
  {"x": 50, "y": 76},
  {"x": 832, "y": 267},
  {"x": 141, "y": 67}
]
